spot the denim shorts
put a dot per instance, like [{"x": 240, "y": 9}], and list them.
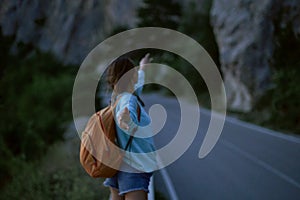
[{"x": 127, "y": 182}]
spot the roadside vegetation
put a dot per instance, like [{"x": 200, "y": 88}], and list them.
[
  {"x": 279, "y": 107},
  {"x": 35, "y": 111}
]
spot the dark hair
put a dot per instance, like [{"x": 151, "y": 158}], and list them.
[{"x": 116, "y": 70}]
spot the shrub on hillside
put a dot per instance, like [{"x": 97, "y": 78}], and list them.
[{"x": 35, "y": 103}]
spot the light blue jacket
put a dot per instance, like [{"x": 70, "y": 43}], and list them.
[{"x": 142, "y": 143}]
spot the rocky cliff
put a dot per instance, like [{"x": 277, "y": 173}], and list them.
[
  {"x": 69, "y": 29},
  {"x": 245, "y": 33},
  {"x": 244, "y": 30}
]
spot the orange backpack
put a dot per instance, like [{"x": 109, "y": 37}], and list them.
[{"x": 100, "y": 155}]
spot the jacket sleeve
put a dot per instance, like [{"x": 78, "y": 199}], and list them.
[
  {"x": 131, "y": 102},
  {"x": 141, "y": 80}
]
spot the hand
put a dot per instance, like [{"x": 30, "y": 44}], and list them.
[
  {"x": 146, "y": 59},
  {"x": 124, "y": 119}
]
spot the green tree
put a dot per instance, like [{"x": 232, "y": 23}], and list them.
[
  {"x": 285, "y": 96},
  {"x": 195, "y": 23},
  {"x": 278, "y": 108},
  {"x": 35, "y": 103},
  {"x": 166, "y": 14}
]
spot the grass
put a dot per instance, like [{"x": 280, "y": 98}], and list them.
[{"x": 58, "y": 175}]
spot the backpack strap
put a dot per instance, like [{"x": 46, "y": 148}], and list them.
[
  {"x": 129, "y": 142},
  {"x": 131, "y": 136},
  {"x": 139, "y": 99},
  {"x": 139, "y": 119}
]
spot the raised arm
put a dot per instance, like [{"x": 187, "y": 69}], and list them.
[{"x": 141, "y": 74}]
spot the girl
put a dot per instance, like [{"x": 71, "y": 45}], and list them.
[{"x": 132, "y": 180}]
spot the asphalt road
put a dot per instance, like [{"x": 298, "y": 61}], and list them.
[{"x": 248, "y": 162}]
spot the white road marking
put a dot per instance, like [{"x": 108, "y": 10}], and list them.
[
  {"x": 151, "y": 190},
  {"x": 261, "y": 163},
  {"x": 257, "y": 128},
  {"x": 169, "y": 184}
]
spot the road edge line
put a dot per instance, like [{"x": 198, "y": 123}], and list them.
[
  {"x": 261, "y": 129},
  {"x": 169, "y": 184},
  {"x": 151, "y": 194},
  {"x": 262, "y": 163}
]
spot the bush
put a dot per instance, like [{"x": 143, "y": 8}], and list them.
[
  {"x": 286, "y": 100},
  {"x": 158, "y": 13},
  {"x": 35, "y": 103},
  {"x": 64, "y": 180},
  {"x": 279, "y": 107},
  {"x": 201, "y": 31}
]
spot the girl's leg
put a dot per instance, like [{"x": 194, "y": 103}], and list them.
[
  {"x": 115, "y": 194},
  {"x": 136, "y": 195}
]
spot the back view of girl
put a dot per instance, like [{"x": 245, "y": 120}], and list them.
[{"x": 132, "y": 180}]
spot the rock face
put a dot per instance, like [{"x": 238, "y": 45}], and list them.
[
  {"x": 245, "y": 34},
  {"x": 69, "y": 29},
  {"x": 244, "y": 29}
]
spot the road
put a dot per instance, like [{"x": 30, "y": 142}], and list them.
[{"x": 248, "y": 162}]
